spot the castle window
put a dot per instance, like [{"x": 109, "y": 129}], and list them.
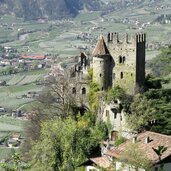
[
  {"x": 84, "y": 90},
  {"x": 120, "y": 59},
  {"x": 121, "y": 75},
  {"x": 115, "y": 115},
  {"x": 73, "y": 90},
  {"x": 102, "y": 88},
  {"x": 113, "y": 75},
  {"x": 107, "y": 113},
  {"x": 100, "y": 75},
  {"x": 131, "y": 74},
  {"x": 123, "y": 59},
  {"x": 115, "y": 101},
  {"x": 121, "y": 117}
]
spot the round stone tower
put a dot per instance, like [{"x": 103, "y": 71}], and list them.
[{"x": 102, "y": 60}]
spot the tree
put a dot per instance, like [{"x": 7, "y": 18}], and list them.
[
  {"x": 115, "y": 93},
  {"x": 58, "y": 97},
  {"x": 160, "y": 100},
  {"x": 64, "y": 144},
  {"x": 141, "y": 113},
  {"x": 15, "y": 163},
  {"x": 135, "y": 157},
  {"x": 159, "y": 151},
  {"x": 94, "y": 96},
  {"x": 55, "y": 102}
]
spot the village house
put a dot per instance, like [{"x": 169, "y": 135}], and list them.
[{"x": 146, "y": 142}]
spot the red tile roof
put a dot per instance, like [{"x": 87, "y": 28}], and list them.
[
  {"x": 156, "y": 140},
  {"x": 103, "y": 161},
  {"x": 33, "y": 57}
]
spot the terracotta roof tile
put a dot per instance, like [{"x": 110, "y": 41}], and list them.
[
  {"x": 101, "y": 161},
  {"x": 100, "y": 48},
  {"x": 156, "y": 140},
  {"x": 33, "y": 57}
]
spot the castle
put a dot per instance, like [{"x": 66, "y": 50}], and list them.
[
  {"x": 120, "y": 62},
  {"x": 115, "y": 62}
]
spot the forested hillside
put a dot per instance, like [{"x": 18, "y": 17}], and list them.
[
  {"x": 51, "y": 9},
  {"x": 56, "y": 9}
]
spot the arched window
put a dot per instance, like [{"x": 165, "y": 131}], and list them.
[
  {"x": 100, "y": 75},
  {"x": 84, "y": 90},
  {"x": 73, "y": 90},
  {"x": 121, "y": 75}
]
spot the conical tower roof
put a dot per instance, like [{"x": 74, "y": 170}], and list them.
[{"x": 101, "y": 48}]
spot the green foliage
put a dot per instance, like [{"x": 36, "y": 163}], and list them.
[
  {"x": 115, "y": 93},
  {"x": 93, "y": 96},
  {"x": 15, "y": 164},
  {"x": 152, "y": 111},
  {"x": 89, "y": 76},
  {"x": 135, "y": 157},
  {"x": 160, "y": 100},
  {"x": 119, "y": 141},
  {"x": 161, "y": 65},
  {"x": 109, "y": 126},
  {"x": 152, "y": 83},
  {"x": 64, "y": 144},
  {"x": 159, "y": 151},
  {"x": 142, "y": 111}
]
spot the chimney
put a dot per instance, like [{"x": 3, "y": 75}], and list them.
[
  {"x": 134, "y": 140},
  {"x": 147, "y": 140}
]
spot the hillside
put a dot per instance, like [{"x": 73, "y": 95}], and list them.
[
  {"x": 51, "y": 9},
  {"x": 56, "y": 9}
]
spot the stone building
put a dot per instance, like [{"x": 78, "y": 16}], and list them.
[
  {"x": 120, "y": 62},
  {"x": 115, "y": 62}
]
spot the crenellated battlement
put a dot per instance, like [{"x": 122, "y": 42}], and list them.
[
  {"x": 136, "y": 38},
  {"x": 140, "y": 37}
]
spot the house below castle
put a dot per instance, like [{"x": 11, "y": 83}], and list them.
[{"x": 147, "y": 142}]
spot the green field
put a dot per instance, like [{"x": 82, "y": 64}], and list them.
[
  {"x": 59, "y": 37},
  {"x": 17, "y": 85},
  {"x": 8, "y": 126}
]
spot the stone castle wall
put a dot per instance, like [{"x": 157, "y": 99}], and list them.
[
  {"x": 102, "y": 71},
  {"x": 129, "y": 60}
]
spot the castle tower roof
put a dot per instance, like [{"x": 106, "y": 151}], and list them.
[{"x": 101, "y": 48}]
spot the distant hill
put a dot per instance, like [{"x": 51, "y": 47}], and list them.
[
  {"x": 51, "y": 9},
  {"x": 56, "y": 9}
]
